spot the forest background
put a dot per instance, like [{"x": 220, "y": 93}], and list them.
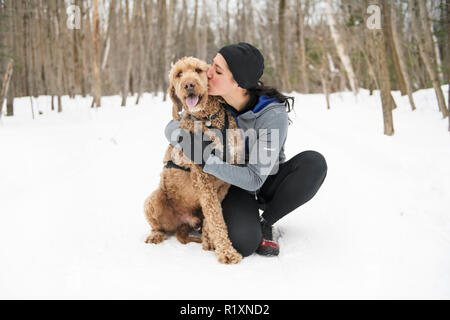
[{"x": 126, "y": 47}]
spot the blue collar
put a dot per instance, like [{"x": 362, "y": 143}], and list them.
[{"x": 263, "y": 101}]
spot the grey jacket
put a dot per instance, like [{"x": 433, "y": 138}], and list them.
[{"x": 270, "y": 121}]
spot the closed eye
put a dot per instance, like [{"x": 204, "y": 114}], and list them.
[{"x": 198, "y": 70}]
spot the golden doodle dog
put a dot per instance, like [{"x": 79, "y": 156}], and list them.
[{"x": 187, "y": 197}]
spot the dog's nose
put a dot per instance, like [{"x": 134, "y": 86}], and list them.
[{"x": 189, "y": 85}]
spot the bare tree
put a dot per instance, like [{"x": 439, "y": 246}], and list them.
[
  {"x": 340, "y": 46},
  {"x": 301, "y": 53},
  {"x": 162, "y": 23},
  {"x": 384, "y": 80},
  {"x": 132, "y": 30},
  {"x": 97, "y": 90},
  {"x": 398, "y": 47},
  {"x": 426, "y": 48},
  {"x": 282, "y": 38},
  {"x": 390, "y": 47},
  {"x": 5, "y": 83},
  {"x": 447, "y": 15},
  {"x": 194, "y": 32},
  {"x": 203, "y": 43}
]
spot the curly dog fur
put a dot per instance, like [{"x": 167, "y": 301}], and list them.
[{"x": 187, "y": 200}]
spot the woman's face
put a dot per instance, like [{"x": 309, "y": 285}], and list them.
[{"x": 220, "y": 78}]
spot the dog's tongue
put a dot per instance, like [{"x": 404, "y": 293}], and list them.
[{"x": 191, "y": 101}]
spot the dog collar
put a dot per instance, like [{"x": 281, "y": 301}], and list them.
[{"x": 206, "y": 119}]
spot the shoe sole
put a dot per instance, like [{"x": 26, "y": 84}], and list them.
[
  {"x": 268, "y": 248},
  {"x": 268, "y": 251}
]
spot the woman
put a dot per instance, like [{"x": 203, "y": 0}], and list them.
[{"x": 276, "y": 186}]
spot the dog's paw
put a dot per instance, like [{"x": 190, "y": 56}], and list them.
[
  {"x": 229, "y": 256},
  {"x": 155, "y": 237}
]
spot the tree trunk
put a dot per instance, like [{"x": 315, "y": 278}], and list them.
[
  {"x": 384, "y": 80},
  {"x": 282, "y": 38},
  {"x": 142, "y": 37},
  {"x": 426, "y": 49},
  {"x": 301, "y": 54},
  {"x": 203, "y": 41},
  {"x": 5, "y": 84},
  {"x": 194, "y": 32},
  {"x": 10, "y": 101},
  {"x": 51, "y": 54},
  {"x": 324, "y": 81},
  {"x": 227, "y": 27},
  {"x": 398, "y": 47},
  {"x": 60, "y": 53},
  {"x": 340, "y": 47},
  {"x": 385, "y": 92},
  {"x": 24, "y": 46},
  {"x": 170, "y": 45},
  {"x": 388, "y": 33},
  {"x": 129, "y": 45},
  {"x": 242, "y": 24},
  {"x": 32, "y": 47},
  {"x": 41, "y": 41},
  {"x": 97, "y": 90},
  {"x": 447, "y": 14},
  {"x": 162, "y": 64},
  {"x": 369, "y": 52},
  {"x": 81, "y": 40}
]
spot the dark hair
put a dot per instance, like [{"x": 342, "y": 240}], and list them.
[{"x": 262, "y": 90}]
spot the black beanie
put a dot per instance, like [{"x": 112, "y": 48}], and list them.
[{"x": 246, "y": 63}]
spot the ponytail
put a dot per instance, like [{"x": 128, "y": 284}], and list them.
[{"x": 262, "y": 90}]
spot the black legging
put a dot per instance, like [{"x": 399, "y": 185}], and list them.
[{"x": 295, "y": 183}]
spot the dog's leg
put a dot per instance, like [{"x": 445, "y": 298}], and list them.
[
  {"x": 183, "y": 234},
  {"x": 222, "y": 192},
  {"x": 207, "y": 243},
  {"x": 153, "y": 208},
  {"x": 212, "y": 210}
]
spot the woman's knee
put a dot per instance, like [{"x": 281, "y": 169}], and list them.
[{"x": 314, "y": 160}]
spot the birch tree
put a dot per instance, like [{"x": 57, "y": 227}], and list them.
[{"x": 340, "y": 47}]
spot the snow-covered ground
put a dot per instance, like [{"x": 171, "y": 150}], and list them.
[{"x": 72, "y": 187}]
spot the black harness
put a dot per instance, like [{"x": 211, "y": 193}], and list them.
[{"x": 171, "y": 164}]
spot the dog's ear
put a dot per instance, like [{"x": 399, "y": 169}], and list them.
[{"x": 177, "y": 105}]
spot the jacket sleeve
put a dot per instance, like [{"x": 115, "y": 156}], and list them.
[{"x": 263, "y": 160}]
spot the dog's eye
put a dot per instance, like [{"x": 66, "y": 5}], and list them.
[
  {"x": 179, "y": 74},
  {"x": 198, "y": 70}
]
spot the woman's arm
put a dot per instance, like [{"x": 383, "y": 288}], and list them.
[
  {"x": 264, "y": 154},
  {"x": 254, "y": 174}
]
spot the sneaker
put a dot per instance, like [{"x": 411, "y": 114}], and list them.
[{"x": 267, "y": 247}]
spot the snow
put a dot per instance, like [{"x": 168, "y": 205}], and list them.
[{"x": 72, "y": 187}]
